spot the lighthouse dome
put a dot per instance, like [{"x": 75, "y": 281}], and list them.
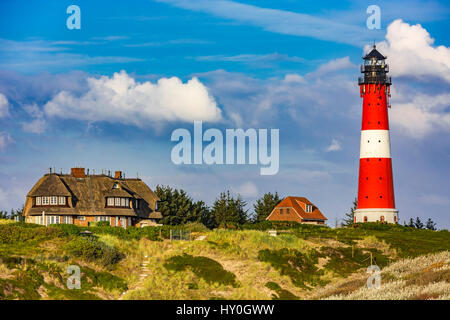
[{"x": 374, "y": 54}]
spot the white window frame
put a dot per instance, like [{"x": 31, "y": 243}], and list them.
[
  {"x": 110, "y": 202},
  {"x": 122, "y": 202},
  {"x": 137, "y": 203},
  {"x": 117, "y": 202},
  {"x": 308, "y": 208},
  {"x": 62, "y": 201},
  {"x": 52, "y": 220},
  {"x": 67, "y": 220},
  {"x": 45, "y": 201},
  {"x": 103, "y": 218},
  {"x": 53, "y": 200},
  {"x": 38, "y": 201}
]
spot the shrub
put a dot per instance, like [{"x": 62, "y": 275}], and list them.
[
  {"x": 13, "y": 233},
  {"x": 208, "y": 269},
  {"x": 300, "y": 267},
  {"x": 94, "y": 251}
]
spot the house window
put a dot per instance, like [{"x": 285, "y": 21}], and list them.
[
  {"x": 38, "y": 201},
  {"x": 308, "y": 208},
  {"x": 281, "y": 211},
  {"x": 122, "y": 202},
  {"x": 53, "y": 201},
  {"x": 52, "y": 220},
  {"x": 103, "y": 218},
  {"x": 287, "y": 211},
  {"x": 116, "y": 185},
  {"x": 395, "y": 218},
  {"x": 117, "y": 202},
  {"x": 45, "y": 201},
  {"x": 110, "y": 202},
  {"x": 81, "y": 218},
  {"x": 67, "y": 220},
  {"x": 365, "y": 219},
  {"x": 137, "y": 204},
  {"x": 62, "y": 201}
]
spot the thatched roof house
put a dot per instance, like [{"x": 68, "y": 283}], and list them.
[{"x": 79, "y": 199}]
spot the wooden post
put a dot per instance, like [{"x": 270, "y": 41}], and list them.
[{"x": 371, "y": 259}]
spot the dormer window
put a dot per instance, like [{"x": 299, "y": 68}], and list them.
[
  {"x": 50, "y": 201},
  {"x": 118, "y": 202},
  {"x": 116, "y": 185},
  {"x": 308, "y": 208}
]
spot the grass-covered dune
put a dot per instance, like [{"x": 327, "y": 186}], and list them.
[{"x": 301, "y": 262}]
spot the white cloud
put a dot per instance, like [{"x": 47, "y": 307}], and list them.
[
  {"x": 121, "y": 99},
  {"x": 334, "y": 146},
  {"x": 420, "y": 114},
  {"x": 333, "y": 65},
  {"x": 279, "y": 21},
  {"x": 410, "y": 52},
  {"x": 38, "y": 124},
  {"x": 3, "y": 106},
  {"x": 5, "y": 140},
  {"x": 247, "y": 190}
]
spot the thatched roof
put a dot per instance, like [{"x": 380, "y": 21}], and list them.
[
  {"x": 88, "y": 195},
  {"x": 50, "y": 184}
]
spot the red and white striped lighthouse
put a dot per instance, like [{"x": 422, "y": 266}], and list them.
[{"x": 376, "y": 187}]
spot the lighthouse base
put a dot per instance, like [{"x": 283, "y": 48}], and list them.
[{"x": 376, "y": 215}]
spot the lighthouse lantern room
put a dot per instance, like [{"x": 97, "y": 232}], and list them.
[{"x": 376, "y": 200}]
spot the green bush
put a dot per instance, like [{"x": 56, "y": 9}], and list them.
[
  {"x": 94, "y": 251},
  {"x": 13, "y": 233},
  {"x": 208, "y": 269},
  {"x": 300, "y": 267}
]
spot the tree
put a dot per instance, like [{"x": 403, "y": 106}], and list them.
[
  {"x": 228, "y": 211},
  {"x": 264, "y": 206},
  {"x": 418, "y": 224},
  {"x": 350, "y": 216},
  {"x": 177, "y": 207},
  {"x": 430, "y": 224},
  {"x": 4, "y": 214},
  {"x": 411, "y": 223}
]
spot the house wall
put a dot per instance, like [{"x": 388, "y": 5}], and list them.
[{"x": 278, "y": 216}]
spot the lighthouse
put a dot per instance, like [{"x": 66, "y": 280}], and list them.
[{"x": 376, "y": 200}]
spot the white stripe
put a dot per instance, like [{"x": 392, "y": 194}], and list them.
[{"x": 375, "y": 144}]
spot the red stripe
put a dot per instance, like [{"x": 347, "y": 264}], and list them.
[
  {"x": 375, "y": 114},
  {"x": 376, "y": 187}
]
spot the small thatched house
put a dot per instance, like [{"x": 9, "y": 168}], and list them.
[{"x": 79, "y": 199}]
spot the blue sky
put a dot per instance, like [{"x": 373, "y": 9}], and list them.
[{"x": 105, "y": 96}]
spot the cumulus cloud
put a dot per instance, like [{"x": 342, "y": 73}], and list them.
[
  {"x": 3, "y": 106},
  {"x": 121, "y": 99},
  {"x": 334, "y": 146},
  {"x": 411, "y": 52},
  {"x": 38, "y": 124},
  {"x": 420, "y": 114},
  {"x": 5, "y": 140}
]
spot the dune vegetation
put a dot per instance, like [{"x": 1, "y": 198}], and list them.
[{"x": 301, "y": 262}]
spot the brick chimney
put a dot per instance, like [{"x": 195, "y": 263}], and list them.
[
  {"x": 78, "y": 172},
  {"x": 118, "y": 175}
]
